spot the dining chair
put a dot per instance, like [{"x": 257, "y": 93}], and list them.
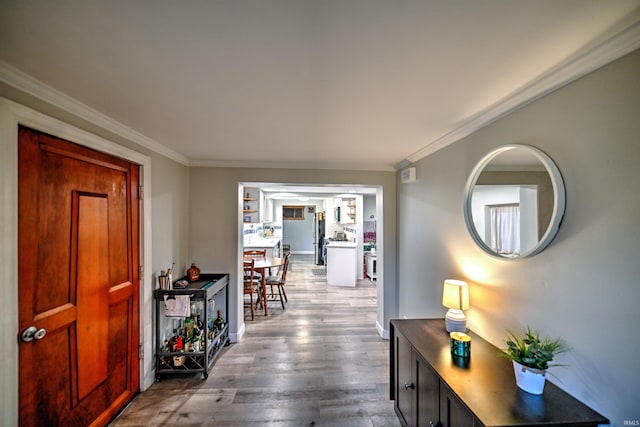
[
  {"x": 251, "y": 285},
  {"x": 278, "y": 282},
  {"x": 256, "y": 253}
]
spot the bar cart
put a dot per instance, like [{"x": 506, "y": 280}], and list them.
[{"x": 190, "y": 338}]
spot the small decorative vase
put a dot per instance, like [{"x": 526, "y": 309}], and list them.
[
  {"x": 529, "y": 379},
  {"x": 193, "y": 273}
]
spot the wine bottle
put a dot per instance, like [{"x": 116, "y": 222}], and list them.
[
  {"x": 219, "y": 323},
  {"x": 196, "y": 339},
  {"x": 188, "y": 327}
]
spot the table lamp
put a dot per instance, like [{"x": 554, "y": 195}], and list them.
[{"x": 455, "y": 296}]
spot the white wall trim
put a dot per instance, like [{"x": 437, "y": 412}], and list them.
[
  {"x": 25, "y": 83},
  {"x": 289, "y": 165},
  {"x": 576, "y": 66},
  {"x": 237, "y": 336},
  {"x": 11, "y": 115},
  {"x": 384, "y": 333}
]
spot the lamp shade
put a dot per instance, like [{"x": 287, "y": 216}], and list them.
[{"x": 455, "y": 294}]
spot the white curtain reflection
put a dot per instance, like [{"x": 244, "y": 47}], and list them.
[{"x": 505, "y": 229}]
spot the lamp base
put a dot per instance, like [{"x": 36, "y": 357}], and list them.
[{"x": 455, "y": 321}]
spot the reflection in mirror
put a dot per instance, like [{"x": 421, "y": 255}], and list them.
[{"x": 514, "y": 201}]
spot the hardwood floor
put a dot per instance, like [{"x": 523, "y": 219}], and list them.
[{"x": 319, "y": 362}]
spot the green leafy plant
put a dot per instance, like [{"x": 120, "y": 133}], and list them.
[{"x": 530, "y": 350}]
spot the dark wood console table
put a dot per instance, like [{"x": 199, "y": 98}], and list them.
[{"x": 431, "y": 387}]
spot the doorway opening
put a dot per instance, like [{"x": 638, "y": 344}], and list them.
[{"x": 303, "y": 218}]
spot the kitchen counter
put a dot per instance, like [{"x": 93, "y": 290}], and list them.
[
  {"x": 270, "y": 244},
  {"x": 262, "y": 242},
  {"x": 342, "y": 263},
  {"x": 341, "y": 244}
]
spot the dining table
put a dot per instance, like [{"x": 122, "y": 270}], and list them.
[{"x": 262, "y": 264}]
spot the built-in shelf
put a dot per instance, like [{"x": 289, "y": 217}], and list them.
[
  {"x": 351, "y": 211},
  {"x": 250, "y": 207}
]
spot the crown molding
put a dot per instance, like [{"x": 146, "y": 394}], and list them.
[
  {"x": 578, "y": 65},
  {"x": 293, "y": 165},
  {"x": 25, "y": 83}
]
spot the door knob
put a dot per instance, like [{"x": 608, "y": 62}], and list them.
[
  {"x": 32, "y": 333},
  {"x": 409, "y": 386}
]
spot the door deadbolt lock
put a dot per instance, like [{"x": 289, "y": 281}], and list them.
[{"x": 32, "y": 333}]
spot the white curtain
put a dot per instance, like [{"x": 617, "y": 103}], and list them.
[{"x": 505, "y": 229}]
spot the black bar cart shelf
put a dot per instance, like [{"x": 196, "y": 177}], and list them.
[{"x": 190, "y": 344}]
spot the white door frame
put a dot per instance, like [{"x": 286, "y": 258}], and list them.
[
  {"x": 380, "y": 300},
  {"x": 12, "y": 115}
]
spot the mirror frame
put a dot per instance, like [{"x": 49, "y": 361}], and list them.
[{"x": 558, "y": 202}]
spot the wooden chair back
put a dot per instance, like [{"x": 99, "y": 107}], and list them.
[
  {"x": 248, "y": 281},
  {"x": 255, "y": 253},
  {"x": 249, "y": 271},
  {"x": 278, "y": 283},
  {"x": 283, "y": 278}
]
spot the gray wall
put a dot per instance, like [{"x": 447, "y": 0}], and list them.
[
  {"x": 169, "y": 185},
  {"x": 299, "y": 233},
  {"x": 169, "y": 215},
  {"x": 584, "y": 286},
  {"x": 213, "y": 218},
  {"x": 369, "y": 208}
]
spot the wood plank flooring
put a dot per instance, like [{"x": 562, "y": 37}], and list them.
[{"x": 318, "y": 362}]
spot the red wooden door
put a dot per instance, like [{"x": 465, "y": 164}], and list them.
[{"x": 78, "y": 251}]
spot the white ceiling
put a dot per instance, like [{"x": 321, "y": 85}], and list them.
[{"x": 359, "y": 84}]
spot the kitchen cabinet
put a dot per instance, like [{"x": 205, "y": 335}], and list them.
[
  {"x": 429, "y": 386},
  {"x": 342, "y": 263},
  {"x": 266, "y": 208},
  {"x": 371, "y": 261},
  {"x": 190, "y": 343}
]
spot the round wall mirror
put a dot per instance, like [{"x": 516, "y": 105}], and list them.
[{"x": 514, "y": 202}]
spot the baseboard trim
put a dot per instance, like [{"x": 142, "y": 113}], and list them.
[{"x": 384, "y": 333}]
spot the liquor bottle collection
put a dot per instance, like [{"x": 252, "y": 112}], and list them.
[{"x": 190, "y": 335}]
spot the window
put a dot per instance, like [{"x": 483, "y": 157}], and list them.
[
  {"x": 505, "y": 229},
  {"x": 293, "y": 212}
]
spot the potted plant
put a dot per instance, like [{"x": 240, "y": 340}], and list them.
[{"x": 532, "y": 356}]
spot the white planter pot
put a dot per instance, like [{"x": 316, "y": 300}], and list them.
[{"x": 529, "y": 379}]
